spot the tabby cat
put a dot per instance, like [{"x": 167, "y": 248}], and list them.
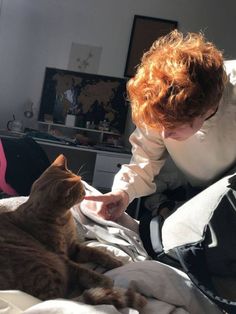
[{"x": 40, "y": 251}]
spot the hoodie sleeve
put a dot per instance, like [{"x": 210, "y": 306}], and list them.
[{"x": 148, "y": 157}]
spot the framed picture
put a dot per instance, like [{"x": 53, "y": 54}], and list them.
[
  {"x": 145, "y": 31},
  {"x": 83, "y": 97}
]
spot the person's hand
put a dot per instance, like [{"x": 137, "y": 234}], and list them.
[{"x": 112, "y": 204}]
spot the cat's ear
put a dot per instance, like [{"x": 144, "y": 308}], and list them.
[{"x": 60, "y": 161}]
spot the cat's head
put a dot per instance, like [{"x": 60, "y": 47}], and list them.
[{"x": 57, "y": 188}]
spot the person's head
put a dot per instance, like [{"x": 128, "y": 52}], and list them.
[{"x": 178, "y": 84}]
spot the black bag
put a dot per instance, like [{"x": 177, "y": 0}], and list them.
[
  {"x": 200, "y": 237},
  {"x": 26, "y": 161}
]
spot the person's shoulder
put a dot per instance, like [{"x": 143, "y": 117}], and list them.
[{"x": 148, "y": 133}]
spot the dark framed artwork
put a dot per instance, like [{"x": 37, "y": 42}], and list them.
[
  {"x": 89, "y": 97},
  {"x": 145, "y": 31}
]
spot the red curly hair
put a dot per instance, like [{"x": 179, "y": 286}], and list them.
[{"x": 179, "y": 78}]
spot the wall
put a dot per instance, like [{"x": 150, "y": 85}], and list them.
[{"x": 38, "y": 33}]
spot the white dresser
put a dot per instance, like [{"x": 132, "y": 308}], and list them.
[{"x": 106, "y": 166}]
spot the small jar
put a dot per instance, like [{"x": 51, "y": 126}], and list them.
[{"x": 87, "y": 124}]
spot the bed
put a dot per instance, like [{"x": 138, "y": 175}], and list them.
[{"x": 167, "y": 289}]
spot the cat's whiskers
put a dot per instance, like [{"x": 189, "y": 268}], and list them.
[
  {"x": 82, "y": 174},
  {"x": 80, "y": 168}
]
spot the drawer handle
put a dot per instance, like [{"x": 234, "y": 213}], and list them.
[{"x": 118, "y": 165}]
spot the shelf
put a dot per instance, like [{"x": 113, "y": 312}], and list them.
[{"x": 49, "y": 124}]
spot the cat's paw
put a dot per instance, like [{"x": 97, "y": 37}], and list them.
[{"x": 118, "y": 297}]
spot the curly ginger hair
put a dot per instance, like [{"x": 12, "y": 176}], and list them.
[{"x": 178, "y": 79}]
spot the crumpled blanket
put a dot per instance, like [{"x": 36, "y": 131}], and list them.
[
  {"x": 121, "y": 235},
  {"x": 169, "y": 291}
]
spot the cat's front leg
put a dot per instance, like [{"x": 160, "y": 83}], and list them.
[
  {"x": 84, "y": 278},
  {"x": 83, "y": 254}
]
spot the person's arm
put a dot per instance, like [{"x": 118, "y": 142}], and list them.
[
  {"x": 135, "y": 179},
  {"x": 148, "y": 157}
]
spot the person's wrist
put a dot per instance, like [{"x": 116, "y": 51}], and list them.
[{"x": 125, "y": 197}]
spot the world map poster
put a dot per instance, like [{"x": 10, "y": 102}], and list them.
[{"x": 90, "y": 97}]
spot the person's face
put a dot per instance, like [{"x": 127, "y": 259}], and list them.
[{"x": 183, "y": 132}]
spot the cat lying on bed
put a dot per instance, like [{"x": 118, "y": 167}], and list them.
[{"x": 40, "y": 252}]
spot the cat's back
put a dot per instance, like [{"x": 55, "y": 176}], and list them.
[
  {"x": 25, "y": 263},
  {"x": 12, "y": 233},
  {"x": 18, "y": 248}
]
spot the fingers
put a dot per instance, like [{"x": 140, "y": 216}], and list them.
[
  {"x": 115, "y": 214},
  {"x": 109, "y": 211},
  {"x": 102, "y": 206},
  {"x": 97, "y": 198},
  {"x": 107, "y": 199},
  {"x": 110, "y": 205}
]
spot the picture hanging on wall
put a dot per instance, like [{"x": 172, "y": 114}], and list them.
[
  {"x": 84, "y": 58},
  {"x": 145, "y": 31}
]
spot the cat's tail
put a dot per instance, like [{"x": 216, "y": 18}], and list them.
[{"x": 119, "y": 297}]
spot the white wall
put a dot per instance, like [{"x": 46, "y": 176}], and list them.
[{"x": 38, "y": 33}]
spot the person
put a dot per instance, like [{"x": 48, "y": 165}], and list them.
[{"x": 184, "y": 106}]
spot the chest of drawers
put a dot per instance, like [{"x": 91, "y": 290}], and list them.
[{"x": 106, "y": 166}]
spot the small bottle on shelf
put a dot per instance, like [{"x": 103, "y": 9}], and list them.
[{"x": 87, "y": 124}]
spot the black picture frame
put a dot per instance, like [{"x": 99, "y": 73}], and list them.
[
  {"x": 145, "y": 31},
  {"x": 90, "y": 97}
]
